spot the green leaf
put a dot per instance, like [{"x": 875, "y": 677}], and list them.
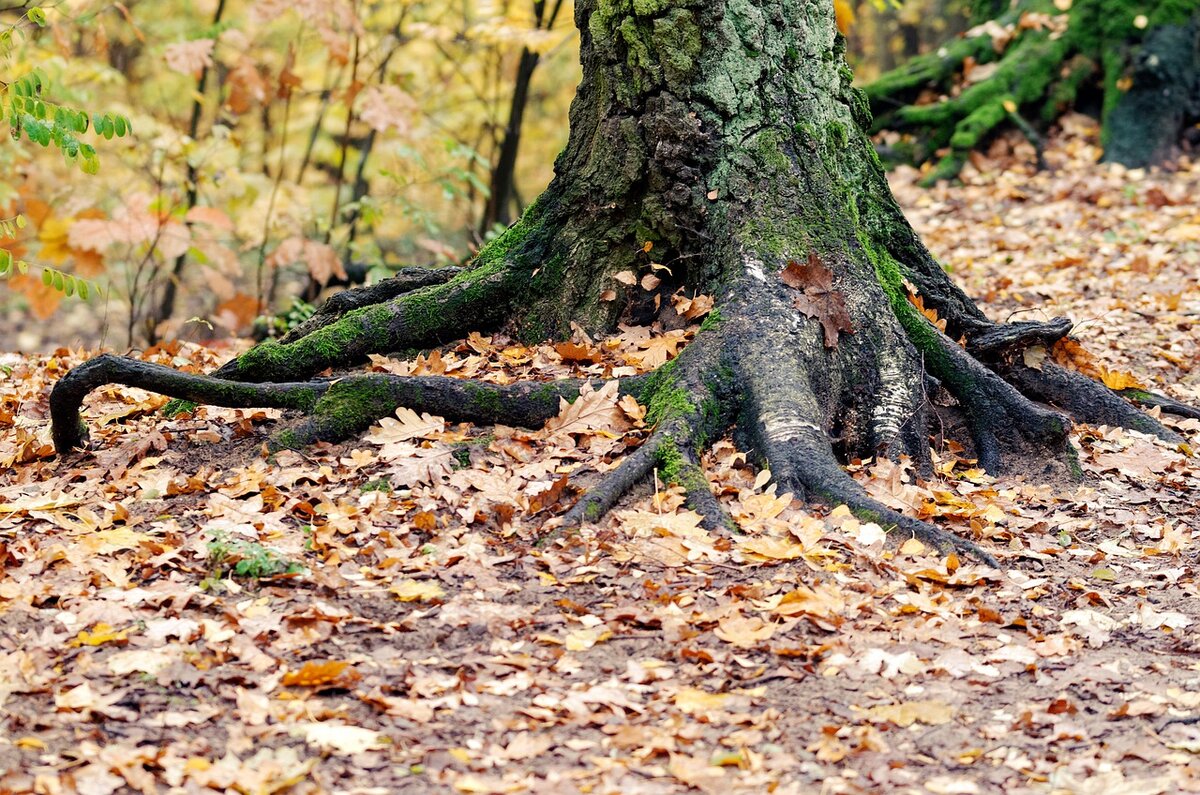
[
  {"x": 47, "y": 278},
  {"x": 84, "y": 290},
  {"x": 37, "y": 16}
]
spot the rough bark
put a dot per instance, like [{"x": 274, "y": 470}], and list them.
[
  {"x": 727, "y": 134},
  {"x": 1135, "y": 64}
]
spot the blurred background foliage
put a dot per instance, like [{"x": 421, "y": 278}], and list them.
[{"x": 282, "y": 148}]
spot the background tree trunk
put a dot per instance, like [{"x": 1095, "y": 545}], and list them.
[{"x": 1134, "y": 64}]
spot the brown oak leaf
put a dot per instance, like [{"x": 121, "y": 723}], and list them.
[{"x": 817, "y": 298}]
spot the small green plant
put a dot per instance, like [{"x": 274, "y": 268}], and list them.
[
  {"x": 279, "y": 325},
  {"x": 297, "y": 313},
  {"x": 23, "y": 102},
  {"x": 382, "y": 484},
  {"x": 462, "y": 456},
  {"x": 176, "y": 406},
  {"x": 246, "y": 559},
  {"x": 29, "y": 113}
]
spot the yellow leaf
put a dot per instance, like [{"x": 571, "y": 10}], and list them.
[
  {"x": 932, "y": 713},
  {"x": 114, "y": 539},
  {"x": 30, "y": 744},
  {"x": 772, "y": 548},
  {"x": 729, "y": 759},
  {"x": 824, "y": 600},
  {"x": 406, "y": 426},
  {"x": 584, "y": 639},
  {"x": 743, "y": 632},
  {"x": 912, "y": 547},
  {"x": 592, "y": 411},
  {"x": 317, "y": 674},
  {"x": 692, "y": 700},
  {"x": 1116, "y": 380},
  {"x": 472, "y": 785},
  {"x": 413, "y": 591},
  {"x": 341, "y": 738},
  {"x": 100, "y": 634},
  {"x": 37, "y": 504},
  {"x": 845, "y": 16}
]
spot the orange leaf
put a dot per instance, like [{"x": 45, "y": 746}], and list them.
[
  {"x": 1069, "y": 353},
  {"x": 335, "y": 673}
]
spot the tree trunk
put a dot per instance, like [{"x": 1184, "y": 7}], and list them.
[
  {"x": 1141, "y": 59},
  {"x": 727, "y": 134}
]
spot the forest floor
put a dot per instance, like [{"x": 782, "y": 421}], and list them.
[{"x": 179, "y": 612}]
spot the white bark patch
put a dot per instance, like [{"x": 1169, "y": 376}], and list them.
[
  {"x": 894, "y": 407},
  {"x": 756, "y": 270},
  {"x": 787, "y": 427}
]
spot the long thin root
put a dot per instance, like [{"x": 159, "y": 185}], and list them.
[{"x": 335, "y": 409}]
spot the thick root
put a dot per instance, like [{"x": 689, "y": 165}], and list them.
[
  {"x": 339, "y": 304},
  {"x": 698, "y": 491},
  {"x": 1010, "y": 431},
  {"x": 600, "y": 499},
  {"x": 749, "y": 369},
  {"x": 69, "y": 431},
  {"x": 1086, "y": 400},
  {"x": 782, "y": 417},
  {"x": 470, "y": 301},
  {"x": 690, "y": 401},
  {"x": 334, "y": 410},
  {"x": 1168, "y": 405}
]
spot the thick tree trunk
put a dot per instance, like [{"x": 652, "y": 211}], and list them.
[
  {"x": 727, "y": 134},
  {"x": 1137, "y": 63}
]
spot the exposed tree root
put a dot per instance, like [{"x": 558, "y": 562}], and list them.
[
  {"x": 1009, "y": 430},
  {"x": 597, "y": 501},
  {"x": 333, "y": 409},
  {"x": 1168, "y": 405},
  {"x": 453, "y": 303},
  {"x": 1008, "y": 338},
  {"x": 338, "y": 304},
  {"x": 69, "y": 431},
  {"x": 747, "y": 370},
  {"x": 1086, "y": 400}
]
